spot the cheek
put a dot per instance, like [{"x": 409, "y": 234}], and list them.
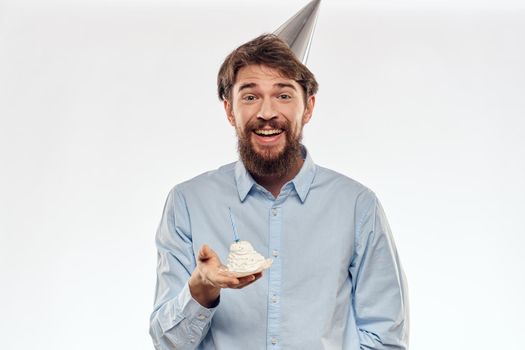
[
  {"x": 240, "y": 124},
  {"x": 294, "y": 110},
  {"x": 297, "y": 129},
  {"x": 243, "y": 114},
  {"x": 295, "y": 116}
]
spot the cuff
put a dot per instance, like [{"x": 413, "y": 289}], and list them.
[{"x": 192, "y": 310}]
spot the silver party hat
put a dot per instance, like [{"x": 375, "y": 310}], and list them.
[{"x": 298, "y": 31}]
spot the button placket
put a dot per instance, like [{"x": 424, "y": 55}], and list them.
[{"x": 274, "y": 245}]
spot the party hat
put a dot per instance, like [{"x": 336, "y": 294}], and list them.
[{"x": 298, "y": 31}]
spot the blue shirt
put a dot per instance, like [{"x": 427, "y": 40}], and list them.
[{"x": 335, "y": 282}]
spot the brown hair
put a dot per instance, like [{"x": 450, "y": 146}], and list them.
[{"x": 270, "y": 51}]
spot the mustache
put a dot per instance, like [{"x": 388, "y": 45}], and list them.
[{"x": 272, "y": 123}]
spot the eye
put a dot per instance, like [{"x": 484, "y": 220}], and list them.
[
  {"x": 285, "y": 96},
  {"x": 249, "y": 98}
]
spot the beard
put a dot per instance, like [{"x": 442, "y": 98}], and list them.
[{"x": 266, "y": 163}]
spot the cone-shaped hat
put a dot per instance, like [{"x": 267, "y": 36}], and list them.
[{"x": 298, "y": 31}]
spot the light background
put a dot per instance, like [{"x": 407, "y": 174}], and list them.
[{"x": 105, "y": 105}]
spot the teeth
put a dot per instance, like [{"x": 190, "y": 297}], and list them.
[{"x": 268, "y": 132}]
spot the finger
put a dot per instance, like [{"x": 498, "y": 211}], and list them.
[
  {"x": 247, "y": 284},
  {"x": 250, "y": 278},
  {"x": 204, "y": 253},
  {"x": 247, "y": 280},
  {"x": 243, "y": 285},
  {"x": 223, "y": 270},
  {"x": 222, "y": 281},
  {"x": 213, "y": 269}
]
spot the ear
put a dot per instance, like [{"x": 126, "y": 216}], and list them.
[
  {"x": 309, "y": 110},
  {"x": 229, "y": 112}
]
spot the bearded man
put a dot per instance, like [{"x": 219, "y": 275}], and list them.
[{"x": 336, "y": 281}]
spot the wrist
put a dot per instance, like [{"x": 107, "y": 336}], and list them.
[{"x": 203, "y": 292}]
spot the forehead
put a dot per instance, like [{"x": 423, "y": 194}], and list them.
[{"x": 261, "y": 75}]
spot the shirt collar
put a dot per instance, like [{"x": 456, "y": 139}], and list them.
[{"x": 302, "y": 181}]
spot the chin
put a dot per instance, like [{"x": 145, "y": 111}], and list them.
[{"x": 269, "y": 152}]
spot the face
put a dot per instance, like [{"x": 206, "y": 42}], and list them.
[{"x": 268, "y": 112}]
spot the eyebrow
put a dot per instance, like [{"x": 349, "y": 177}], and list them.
[
  {"x": 283, "y": 85},
  {"x": 246, "y": 86},
  {"x": 252, "y": 85}
]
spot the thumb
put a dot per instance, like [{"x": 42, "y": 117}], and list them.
[{"x": 205, "y": 253}]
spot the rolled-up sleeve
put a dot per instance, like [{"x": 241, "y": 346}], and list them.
[
  {"x": 380, "y": 299},
  {"x": 178, "y": 321}
]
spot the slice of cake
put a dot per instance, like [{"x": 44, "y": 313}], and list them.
[{"x": 243, "y": 260}]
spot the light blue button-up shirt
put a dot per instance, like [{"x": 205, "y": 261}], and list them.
[{"x": 335, "y": 282}]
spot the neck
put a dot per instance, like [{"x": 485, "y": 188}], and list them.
[{"x": 274, "y": 183}]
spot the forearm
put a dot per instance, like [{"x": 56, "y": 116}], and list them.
[{"x": 180, "y": 323}]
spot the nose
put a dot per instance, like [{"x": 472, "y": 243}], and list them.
[{"x": 267, "y": 110}]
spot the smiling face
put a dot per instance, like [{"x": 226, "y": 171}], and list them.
[{"x": 268, "y": 112}]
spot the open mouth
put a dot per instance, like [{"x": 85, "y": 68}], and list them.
[{"x": 268, "y": 132}]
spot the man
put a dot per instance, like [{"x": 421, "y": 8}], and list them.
[{"x": 335, "y": 282}]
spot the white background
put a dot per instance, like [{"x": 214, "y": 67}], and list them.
[{"x": 105, "y": 105}]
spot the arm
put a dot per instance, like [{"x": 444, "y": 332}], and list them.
[
  {"x": 188, "y": 289},
  {"x": 378, "y": 284},
  {"x": 178, "y": 320}
]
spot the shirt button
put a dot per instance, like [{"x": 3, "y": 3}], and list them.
[
  {"x": 274, "y": 212},
  {"x": 201, "y": 317},
  {"x": 274, "y": 340},
  {"x": 274, "y": 298},
  {"x": 275, "y": 253}
]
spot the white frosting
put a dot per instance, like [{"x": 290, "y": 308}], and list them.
[{"x": 243, "y": 258}]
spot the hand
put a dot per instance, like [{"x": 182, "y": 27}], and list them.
[{"x": 210, "y": 276}]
